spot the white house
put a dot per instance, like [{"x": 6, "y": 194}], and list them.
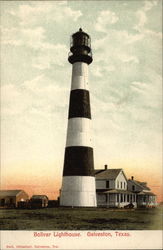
[
  {"x": 112, "y": 189},
  {"x": 145, "y": 198}
]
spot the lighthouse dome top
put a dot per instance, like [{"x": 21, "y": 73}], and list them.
[{"x": 80, "y": 33}]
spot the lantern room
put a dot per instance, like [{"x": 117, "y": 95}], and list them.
[{"x": 80, "y": 48}]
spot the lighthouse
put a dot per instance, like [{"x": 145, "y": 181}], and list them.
[{"x": 78, "y": 184}]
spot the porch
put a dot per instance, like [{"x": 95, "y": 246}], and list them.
[
  {"x": 146, "y": 199},
  {"x": 116, "y": 198}
]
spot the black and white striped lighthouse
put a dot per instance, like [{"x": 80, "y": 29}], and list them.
[{"x": 78, "y": 185}]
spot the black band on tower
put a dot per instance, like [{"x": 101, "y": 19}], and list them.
[
  {"x": 78, "y": 161},
  {"x": 79, "y": 104}
]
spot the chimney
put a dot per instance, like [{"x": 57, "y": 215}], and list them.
[
  {"x": 106, "y": 167},
  {"x": 132, "y": 177}
]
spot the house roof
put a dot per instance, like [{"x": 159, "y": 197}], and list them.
[
  {"x": 108, "y": 173},
  {"x": 144, "y": 185},
  {"x": 140, "y": 184},
  {"x": 9, "y": 192},
  {"x": 114, "y": 191},
  {"x": 117, "y": 191},
  {"x": 146, "y": 193},
  {"x": 39, "y": 197}
]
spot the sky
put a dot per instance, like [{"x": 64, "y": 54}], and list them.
[{"x": 125, "y": 82}]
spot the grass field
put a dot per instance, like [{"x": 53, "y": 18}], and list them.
[{"x": 80, "y": 219}]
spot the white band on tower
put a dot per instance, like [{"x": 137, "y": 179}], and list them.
[
  {"x": 81, "y": 128},
  {"x": 79, "y": 76}
]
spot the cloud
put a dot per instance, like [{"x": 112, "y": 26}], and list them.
[
  {"x": 148, "y": 5},
  {"x": 142, "y": 15},
  {"x": 32, "y": 120},
  {"x": 98, "y": 70},
  {"x": 144, "y": 91},
  {"x": 115, "y": 50},
  {"x": 32, "y": 38},
  {"x": 32, "y": 30},
  {"x": 11, "y": 100},
  {"x": 117, "y": 38},
  {"x": 128, "y": 58},
  {"x": 132, "y": 91},
  {"x": 105, "y": 18},
  {"x": 36, "y": 13},
  {"x": 55, "y": 54},
  {"x": 46, "y": 53},
  {"x": 128, "y": 118},
  {"x": 39, "y": 95}
]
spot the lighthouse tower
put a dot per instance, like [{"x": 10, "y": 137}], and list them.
[{"x": 78, "y": 185}]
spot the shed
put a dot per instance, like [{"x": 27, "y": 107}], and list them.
[
  {"x": 39, "y": 201},
  {"x": 11, "y": 198}
]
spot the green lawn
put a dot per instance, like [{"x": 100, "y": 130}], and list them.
[{"x": 80, "y": 219}]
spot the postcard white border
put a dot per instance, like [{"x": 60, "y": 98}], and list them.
[{"x": 27, "y": 240}]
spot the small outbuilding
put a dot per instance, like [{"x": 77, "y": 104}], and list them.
[
  {"x": 11, "y": 198},
  {"x": 39, "y": 201}
]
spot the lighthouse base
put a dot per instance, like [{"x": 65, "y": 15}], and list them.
[{"x": 78, "y": 191}]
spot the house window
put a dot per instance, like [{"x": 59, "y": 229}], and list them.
[
  {"x": 117, "y": 197},
  {"x": 121, "y": 184},
  {"x": 124, "y": 185},
  {"x": 133, "y": 188},
  {"x": 107, "y": 184},
  {"x": 128, "y": 198},
  {"x": 121, "y": 197}
]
